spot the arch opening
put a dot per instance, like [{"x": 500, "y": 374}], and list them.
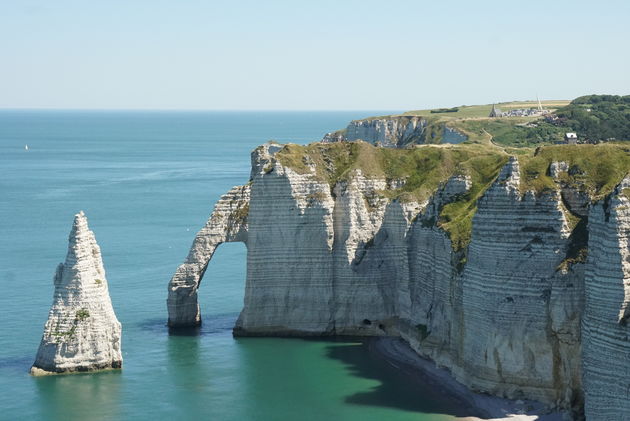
[
  {"x": 221, "y": 289},
  {"x": 228, "y": 223}
]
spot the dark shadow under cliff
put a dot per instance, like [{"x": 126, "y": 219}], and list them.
[{"x": 400, "y": 387}]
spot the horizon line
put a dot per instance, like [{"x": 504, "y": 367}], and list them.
[
  {"x": 193, "y": 109},
  {"x": 257, "y": 109}
]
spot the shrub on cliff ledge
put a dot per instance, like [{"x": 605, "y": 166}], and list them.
[{"x": 82, "y": 314}]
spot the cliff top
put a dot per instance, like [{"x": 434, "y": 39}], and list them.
[
  {"x": 595, "y": 118},
  {"x": 483, "y": 111},
  {"x": 592, "y": 169},
  {"x": 475, "y": 111}
]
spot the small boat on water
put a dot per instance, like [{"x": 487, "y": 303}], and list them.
[{"x": 26, "y": 147}]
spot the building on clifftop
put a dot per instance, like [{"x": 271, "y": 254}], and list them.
[
  {"x": 496, "y": 112},
  {"x": 570, "y": 138}
]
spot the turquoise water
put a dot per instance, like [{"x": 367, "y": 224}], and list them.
[{"x": 147, "y": 182}]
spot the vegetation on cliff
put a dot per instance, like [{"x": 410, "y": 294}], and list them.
[
  {"x": 482, "y": 111},
  {"x": 598, "y": 117},
  {"x": 593, "y": 169},
  {"x": 424, "y": 170},
  {"x": 513, "y": 131},
  {"x": 473, "y": 121},
  {"x": 594, "y": 118}
]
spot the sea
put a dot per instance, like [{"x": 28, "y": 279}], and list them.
[{"x": 147, "y": 181}]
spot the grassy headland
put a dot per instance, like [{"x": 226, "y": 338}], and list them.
[
  {"x": 594, "y": 118},
  {"x": 482, "y": 111},
  {"x": 424, "y": 169},
  {"x": 595, "y": 169}
]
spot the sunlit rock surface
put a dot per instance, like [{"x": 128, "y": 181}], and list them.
[
  {"x": 82, "y": 332},
  {"x": 516, "y": 313},
  {"x": 606, "y": 343},
  {"x": 389, "y": 132},
  {"x": 228, "y": 222}
]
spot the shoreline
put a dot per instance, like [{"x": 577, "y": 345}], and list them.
[{"x": 482, "y": 407}]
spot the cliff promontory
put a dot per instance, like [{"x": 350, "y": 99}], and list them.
[
  {"x": 509, "y": 267},
  {"x": 82, "y": 332},
  {"x": 385, "y": 131}
]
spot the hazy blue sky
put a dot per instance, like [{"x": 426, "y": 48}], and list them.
[{"x": 308, "y": 55}]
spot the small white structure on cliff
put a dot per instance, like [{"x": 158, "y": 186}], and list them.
[
  {"x": 82, "y": 332},
  {"x": 570, "y": 138}
]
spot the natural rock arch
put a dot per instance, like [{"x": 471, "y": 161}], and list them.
[{"x": 228, "y": 223}]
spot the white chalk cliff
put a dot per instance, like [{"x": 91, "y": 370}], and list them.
[
  {"x": 606, "y": 343},
  {"x": 514, "y": 313},
  {"x": 82, "y": 332},
  {"x": 384, "y": 131}
]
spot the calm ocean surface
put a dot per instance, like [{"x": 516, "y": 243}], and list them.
[{"x": 147, "y": 182}]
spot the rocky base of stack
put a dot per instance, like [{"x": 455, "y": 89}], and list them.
[{"x": 49, "y": 371}]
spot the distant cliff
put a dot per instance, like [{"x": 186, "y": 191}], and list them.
[
  {"x": 510, "y": 270},
  {"x": 390, "y": 131}
]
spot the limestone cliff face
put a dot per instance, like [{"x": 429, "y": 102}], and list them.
[
  {"x": 504, "y": 313},
  {"x": 82, "y": 332},
  {"x": 507, "y": 321},
  {"x": 290, "y": 232},
  {"x": 386, "y": 131},
  {"x": 520, "y": 313},
  {"x": 606, "y": 356},
  {"x": 320, "y": 260}
]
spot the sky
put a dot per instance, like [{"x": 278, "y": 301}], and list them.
[{"x": 308, "y": 55}]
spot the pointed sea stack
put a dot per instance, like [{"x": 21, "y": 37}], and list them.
[{"x": 82, "y": 332}]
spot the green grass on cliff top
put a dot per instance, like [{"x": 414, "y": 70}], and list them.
[
  {"x": 595, "y": 169},
  {"x": 477, "y": 111},
  {"x": 424, "y": 168},
  {"x": 473, "y": 121},
  {"x": 482, "y": 111}
]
